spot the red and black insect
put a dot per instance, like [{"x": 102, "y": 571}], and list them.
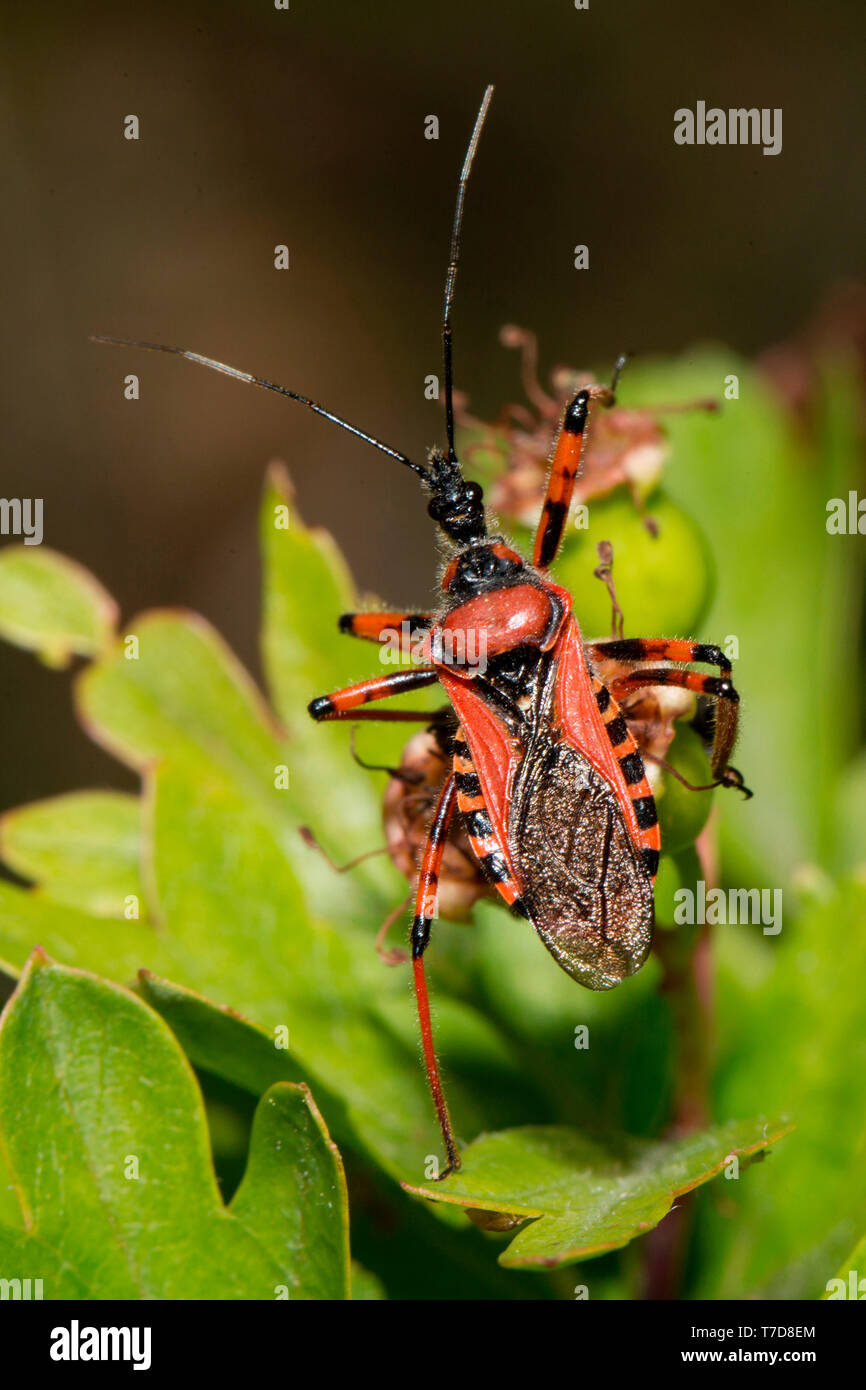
[{"x": 544, "y": 772}]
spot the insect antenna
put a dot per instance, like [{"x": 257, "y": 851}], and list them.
[
  {"x": 251, "y": 380},
  {"x": 606, "y": 395},
  {"x": 617, "y": 371},
  {"x": 451, "y": 276},
  {"x": 455, "y": 504}
]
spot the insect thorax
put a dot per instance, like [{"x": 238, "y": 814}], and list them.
[{"x": 514, "y": 682}]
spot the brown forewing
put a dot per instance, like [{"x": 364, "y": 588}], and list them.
[{"x": 583, "y": 880}]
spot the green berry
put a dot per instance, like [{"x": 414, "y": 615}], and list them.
[{"x": 664, "y": 582}]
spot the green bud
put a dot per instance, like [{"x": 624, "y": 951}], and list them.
[{"x": 664, "y": 582}]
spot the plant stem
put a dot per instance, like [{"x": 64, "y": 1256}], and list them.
[{"x": 686, "y": 961}]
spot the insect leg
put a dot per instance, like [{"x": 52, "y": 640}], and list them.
[
  {"x": 565, "y": 467},
  {"x": 673, "y": 675},
  {"x": 665, "y": 649},
  {"x": 425, "y": 907},
  {"x": 383, "y": 627},
  {"x": 604, "y": 572},
  {"x": 659, "y": 649},
  {"x": 393, "y": 956},
  {"x": 311, "y": 841},
  {"x": 563, "y": 472},
  {"x": 727, "y": 702},
  {"x": 690, "y": 786},
  {"x": 342, "y": 703}
]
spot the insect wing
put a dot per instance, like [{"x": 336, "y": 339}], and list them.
[
  {"x": 584, "y": 883},
  {"x": 572, "y": 856}
]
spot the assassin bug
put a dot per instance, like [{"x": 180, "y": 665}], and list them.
[
  {"x": 549, "y": 781},
  {"x": 650, "y": 712}
]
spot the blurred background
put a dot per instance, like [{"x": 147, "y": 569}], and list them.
[{"x": 306, "y": 127}]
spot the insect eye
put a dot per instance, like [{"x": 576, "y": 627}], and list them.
[{"x": 474, "y": 492}]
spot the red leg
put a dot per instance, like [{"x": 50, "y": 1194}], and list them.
[
  {"x": 673, "y": 675},
  {"x": 425, "y": 908},
  {"x": 340, "y": 702},
  {"x": 564, "y": 470},
  {"x": 665, "y": 649},
  {"x": 658, "y": 649},
  {"x": 381, "y": 627},
  {"x": 727, "y": 701}
]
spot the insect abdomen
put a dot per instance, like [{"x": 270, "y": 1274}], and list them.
[
  {"x": 490, "y": 854},
  {"x": 585, "y": 882},
  {"x": 631, "y": 765}
]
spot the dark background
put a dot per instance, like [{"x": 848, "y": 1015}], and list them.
[{"x": 306, "y": 127}]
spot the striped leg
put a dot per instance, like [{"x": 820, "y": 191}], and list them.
[
  {"x": 344, "y": 703},
  {"x": 659, "y": 649},
  {"x": 382, "y": 627},
  {"x": 566, "y": 466},
  {"x": 426, "y": 896},
  {"x": 648, "y": 838},
  {"x": 485, "y": 845},
  {"x": 662, "y": 649},
  {"x": 726, "y": 710},
  {"x": 563, "y": 471}
]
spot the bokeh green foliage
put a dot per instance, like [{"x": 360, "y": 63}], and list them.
[{"x": 234, "y": 910}]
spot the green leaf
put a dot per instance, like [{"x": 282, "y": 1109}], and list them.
[
  {"x": 791, "y": 1022},
  {"x": 307, "y": 587},
  {"x": 184, "y": 694},
  {"x": 293, "y": 1199},
  {"x": 243, "y": 910},
  {"x": 236, "y": 908},
  {"x": 30, "y": 919},
  {"x": 218, "y": 1039},
  {"x": 760, "y": 482},
  {"x": 850, "y": 1273},
  {"x": 366, "y": 1288},
  {"x": 104, "y": 1129},
  {"x": 307, "y": 577},
  {"x": 10, "y": 1207},
  {"x": 582, "y": 1197},
  {"x": 234, "y": 919},
  {"x": 53, "y": 606},
  {"x": 83, "y": 849}
]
